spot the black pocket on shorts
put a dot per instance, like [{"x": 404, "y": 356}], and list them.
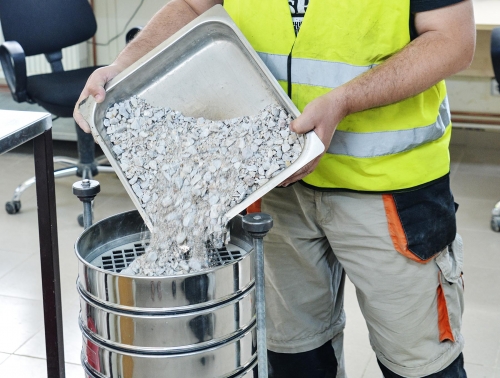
[{"x": 428, "y": 218}]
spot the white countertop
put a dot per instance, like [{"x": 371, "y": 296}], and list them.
[
  {"x": 487, "y": 14},
  {"x": 18, "y": 127}
]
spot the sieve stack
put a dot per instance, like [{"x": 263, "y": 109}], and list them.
[{"x": 194, "y": 325}]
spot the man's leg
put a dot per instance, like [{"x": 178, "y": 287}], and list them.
[
  {"x": 455, "y": 370},
  {"x": 304, "y": 288},
  {"x": 317, "y": 363},
  {"x": 412, "y": 309}
]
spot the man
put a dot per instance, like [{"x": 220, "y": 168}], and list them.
[{"x": 377, "y": 204}]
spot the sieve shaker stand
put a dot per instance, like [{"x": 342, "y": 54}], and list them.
[
  {"x": 257, "y": 226},
  {"x": 86, "y": 190},
  {"x": 495, "y": 218}
]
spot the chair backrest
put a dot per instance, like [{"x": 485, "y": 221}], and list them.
[{"x": 46, "y": 26}]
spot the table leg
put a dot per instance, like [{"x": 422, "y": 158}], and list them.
[{"x": 49, "y": 254}]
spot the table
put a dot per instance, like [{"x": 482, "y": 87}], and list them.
[{"x": 16, "y": 128}]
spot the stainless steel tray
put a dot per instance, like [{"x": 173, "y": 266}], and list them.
[{"x": 207, "y": 69}]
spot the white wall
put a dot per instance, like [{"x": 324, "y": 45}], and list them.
[{"x": 112, "y": 16}]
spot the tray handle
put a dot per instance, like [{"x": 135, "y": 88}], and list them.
[{"x": 86, "y": 108}]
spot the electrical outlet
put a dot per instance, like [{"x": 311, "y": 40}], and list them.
[{"x": 494, "y": 88}]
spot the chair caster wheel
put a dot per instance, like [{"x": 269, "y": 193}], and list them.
[
  {"x": 495, "y": 224},
  {"x": 80, "y": 219},
  {"x": 13, "y": 207}
]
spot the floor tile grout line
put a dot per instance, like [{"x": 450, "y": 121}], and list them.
[
  {"x": 475, "y": 174},
  {"x": 40, "y": 358},
  {"x": 28, "y": 299},
  {"x": 23, "y": 344},
  {"x": 23, "y": 298},
  {"x": 496, "y": 269},
  {"x": 16, "y": 265},
  {"x": 366, "y": 367},
  {"x": 36, "y": 358},
  {"x": 497, "y": 360},
  {"x": 9, "y": 355},
  {"x": 478, "y": 230},
  {"x": 481, "y": 230},
  {"x": 457, "y": 167}
]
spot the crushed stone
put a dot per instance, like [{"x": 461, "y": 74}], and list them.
[{"x": 188, "y": 172}]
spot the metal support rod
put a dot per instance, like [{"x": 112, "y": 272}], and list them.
[
  {"x": 87, "y": 214},
  {"x": 495, "y": 218},
  {"x": 260, "y": 307},
  {"x": 49, "y": 254},
  {"x": 257, "y": 225}
]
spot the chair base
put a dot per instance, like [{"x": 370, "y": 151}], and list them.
[{"x": 74, "y": 168}]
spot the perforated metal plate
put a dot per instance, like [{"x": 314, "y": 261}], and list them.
[
  {"x": 222, "y": 256},
  {"x": 117, "y": 259}
]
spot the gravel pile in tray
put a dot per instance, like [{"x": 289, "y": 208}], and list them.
[{"x": 188, "y": 172}]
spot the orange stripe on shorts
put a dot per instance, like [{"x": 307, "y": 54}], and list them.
[
  {"x": 396, "y": 230},
  {"x": 445, "y": 332}
]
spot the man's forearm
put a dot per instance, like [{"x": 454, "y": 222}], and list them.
[
  {"x": 430, "y": 58},
  {"x": 168, "y": 20}
]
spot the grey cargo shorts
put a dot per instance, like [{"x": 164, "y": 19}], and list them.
[{"x": 412, "y": 304}]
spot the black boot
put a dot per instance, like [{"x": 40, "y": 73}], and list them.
[{"x": 317, "y": 363}]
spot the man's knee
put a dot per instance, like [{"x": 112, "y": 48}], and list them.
[
  {"x": 454, "y": 370},
  {"x": 317, "y": 363}
]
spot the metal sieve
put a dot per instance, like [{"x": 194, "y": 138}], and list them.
[{"x": 193, "y": 325}]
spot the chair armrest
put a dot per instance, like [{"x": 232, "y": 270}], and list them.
[
  {"x": 13, "y": 63},
  {"x": 132, "y": 33},
  {"x": 495, "y": 52}
]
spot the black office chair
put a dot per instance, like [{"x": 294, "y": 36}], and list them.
[
  {"x": 495, "y": 59},
  {"x": 32, "y": 27}
]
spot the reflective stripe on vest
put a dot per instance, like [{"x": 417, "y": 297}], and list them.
[
  {"x": 362, "y": 145},
  {"x": 365, "y": 145},
  {"x": 318, "y": 73}
]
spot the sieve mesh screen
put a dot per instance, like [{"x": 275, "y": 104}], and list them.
[{"x": 117, "y": 259}]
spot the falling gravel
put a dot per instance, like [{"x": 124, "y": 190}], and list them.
[{"x": 188, "y": 172}]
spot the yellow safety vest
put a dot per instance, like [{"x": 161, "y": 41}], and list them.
[{"x": 393, "y": 147}]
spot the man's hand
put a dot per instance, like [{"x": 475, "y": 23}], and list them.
[
  {"x": 95, "y": 87},
  {"x": 322, "y": 115}
]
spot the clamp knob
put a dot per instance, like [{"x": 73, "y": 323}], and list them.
[
  {"x": 86, "y": 189},
  {"x": 257, "y": 224}
]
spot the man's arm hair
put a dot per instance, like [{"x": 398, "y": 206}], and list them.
[
  {"x": 168, "y": 20},
  {"x": 444, "y": 46}
]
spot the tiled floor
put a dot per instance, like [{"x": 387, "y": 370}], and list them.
[
  {"x": 476, "y": 185},
  {"x": 22, "y": 348}
]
